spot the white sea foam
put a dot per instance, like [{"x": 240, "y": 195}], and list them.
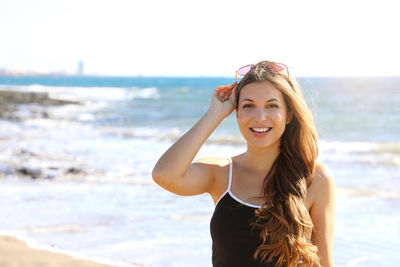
[
  {"x": 371, "y": 153},
  {"x": 367, "y": 192},
  {"x": 145, "y": 93},
  {"x": 55, "y": 228},
  {"x": 360, "y": 147}
]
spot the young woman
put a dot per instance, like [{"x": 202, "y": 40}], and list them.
[{"x": 275, "y": 202}]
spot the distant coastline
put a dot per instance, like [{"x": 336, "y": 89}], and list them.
[
  {"x": 20, "y": 73},
  {"x": 30, "y": 73}
]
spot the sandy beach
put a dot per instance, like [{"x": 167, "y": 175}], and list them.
[{"x": 15, "y": 253}]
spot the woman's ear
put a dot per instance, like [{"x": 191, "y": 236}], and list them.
[{"x": 289, "y": 117}]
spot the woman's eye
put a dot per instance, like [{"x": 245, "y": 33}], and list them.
[
  {"x": 247, "y": 105},
  {"x": 273, "y": 106}
]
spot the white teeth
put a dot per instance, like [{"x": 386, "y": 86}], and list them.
[{"x": 260, "y": 130}]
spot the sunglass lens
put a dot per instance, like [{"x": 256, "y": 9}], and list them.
[
  {"x": 244, "y": 70},
  {"x": 275, "y": 67}
]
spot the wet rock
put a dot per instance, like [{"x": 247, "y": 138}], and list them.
[
  {"x": 74, "y": 170},
  {"x": 15, "y": 97},
  {"x": 25, "y": 153},
  {"x": 44, "y": 173},
  {"x": 6, "y": 111},
  {"x": 49, "y": 177},
  {"x": 45, "y": 115},
  {"x": 34, "y": 165},
  {"x": 31, "y": 172}
]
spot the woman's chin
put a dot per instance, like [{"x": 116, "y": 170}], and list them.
[{"x": 263, "y": 144}]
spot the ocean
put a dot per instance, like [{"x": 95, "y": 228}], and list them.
[{"x": 106, "y": 205}]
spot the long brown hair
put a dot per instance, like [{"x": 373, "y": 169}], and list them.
[{"x": 284, "y": 222}]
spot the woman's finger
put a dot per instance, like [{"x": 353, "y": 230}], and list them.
[{"x": 224, "y": 92}]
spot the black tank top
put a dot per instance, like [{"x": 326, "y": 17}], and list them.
[{"x": 234, "y": 240}]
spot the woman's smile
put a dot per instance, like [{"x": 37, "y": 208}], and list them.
[{"x": 260, "y": 132}]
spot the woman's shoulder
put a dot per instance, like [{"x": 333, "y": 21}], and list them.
[
  {"x": 322, "y": 182},
  {"x": 213, "y": 161},
  {"x": 219, "y": 167},
  {"x": 216, "y": 165},
  {"x": 322, "y": 174}
]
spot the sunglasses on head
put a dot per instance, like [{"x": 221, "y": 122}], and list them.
[{"x": 273, "y": 67}]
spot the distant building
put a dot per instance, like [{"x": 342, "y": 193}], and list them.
[{"x": 80, "y": 68}]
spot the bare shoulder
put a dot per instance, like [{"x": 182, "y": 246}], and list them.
[
  {"x": 215, "y": 165},
  {"x": 322, "y": 176},
  {"x": 322, "y": 186},
  {"x": 213, "y": 161},
  {"x": 220, "y": 172}
]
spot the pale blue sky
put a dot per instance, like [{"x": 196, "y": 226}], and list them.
[{"x": 200, "y": 38}]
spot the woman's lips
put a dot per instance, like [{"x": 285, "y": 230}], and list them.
[{"x": 260, "y": 132}]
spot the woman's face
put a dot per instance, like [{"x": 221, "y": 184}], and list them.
[{"x": 261, "y": 114}]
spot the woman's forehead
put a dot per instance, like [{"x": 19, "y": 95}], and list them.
[{"x": 260, "y": 91}]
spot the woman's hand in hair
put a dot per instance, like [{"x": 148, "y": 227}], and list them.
[{"x": 222, "y": 101}]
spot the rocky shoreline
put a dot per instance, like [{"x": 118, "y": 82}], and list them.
[
  {"x": 11, "y": 100},
  {"x": 18, "y": 106}
]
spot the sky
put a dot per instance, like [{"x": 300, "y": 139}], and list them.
[{"x": 200, "y": 38}]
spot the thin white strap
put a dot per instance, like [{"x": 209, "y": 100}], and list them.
[
  {"x": 229, "y": 183},
  {"x": 230, "y": 174}
]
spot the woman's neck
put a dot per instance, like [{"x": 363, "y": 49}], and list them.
[{"x": 260, "y": 159}]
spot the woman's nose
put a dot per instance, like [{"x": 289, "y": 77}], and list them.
[{"x": 261, "y": 115}]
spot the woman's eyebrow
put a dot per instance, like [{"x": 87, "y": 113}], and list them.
[
  {"x": 250, "y": 100},
  {"x": 246, "y": 99}
]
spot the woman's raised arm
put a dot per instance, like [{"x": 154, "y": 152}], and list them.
[{"x": 175, "y": 171}]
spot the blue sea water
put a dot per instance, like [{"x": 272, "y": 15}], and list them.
[{"x": 124, "y": 124}]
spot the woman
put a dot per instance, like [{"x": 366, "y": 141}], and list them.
[{"x": 274, "y": 202}]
